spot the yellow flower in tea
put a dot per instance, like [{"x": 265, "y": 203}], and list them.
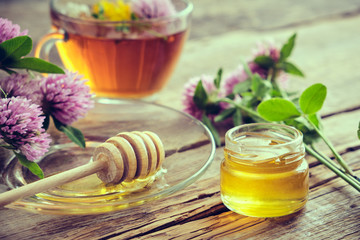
[{"x": 112, "y": 11}]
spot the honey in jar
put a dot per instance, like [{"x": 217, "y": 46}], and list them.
[{"x": 264, "y": 172}]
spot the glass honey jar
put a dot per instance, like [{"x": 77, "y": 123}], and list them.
[{"x": 264, "y": 172}]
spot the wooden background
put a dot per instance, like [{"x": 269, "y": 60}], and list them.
[{"x": 223, "y": 35}]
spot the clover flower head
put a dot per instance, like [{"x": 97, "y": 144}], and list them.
[
  {"x": 267, "y": 49},
  {"x": 20, "y": 85},
  {"x": 189, "y": 91},
  {"x": 264, "y": 49},
  {"x": 148, "y": 9},
  {"x": 237, "y": 76},
  {"x": 256, "y": 69},
  {"x": 9, "y": 30},
  {"x": 65, "y": 97},
  {"x": 21, "y": 127}
]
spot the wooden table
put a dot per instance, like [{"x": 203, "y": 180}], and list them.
[{"x": 223, "y": 34}]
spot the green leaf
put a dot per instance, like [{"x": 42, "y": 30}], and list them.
[
  {"x": 314, "y": 118},
  {"x": 276, "y": 93},
  {"x": 255, "y": 82},
  {"x": 200, "y": 96},
  {"x": 8, "y": 71},
  {"x": 15, "y": 48},
  {"x": 35, "y": 64},
  {"x": 248, "y": 99},
  {"x": 287, "y": 48},
  {"x": 225, "y": 114},
  {"x": 310, "y": 136},
  {"x": 358, "y": 131},
  {"x": 252, "y": 102},
  {"x": 212, "y": 129},
  {"x": 247, "y": 70},
  {"x": 264, "y": 61},
  {"x": 8, "y": 147},
  {"x": 312, "y": 99},
  {"x": 32, "y": 166},
  {"x": 260, "y": 87},
  {"x": 242, "y": 87},
  {"x": 237, "y": 117},
  {"x": 291, "y": 69},
  {"x": 46, "y": 122},
  {"x": 231, "y": 96},
  {"x": 74, "y": 134},
  {"x": 278, "y": 109},
  {"x": 217, "y": 80}
]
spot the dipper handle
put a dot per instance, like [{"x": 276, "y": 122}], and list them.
[{"x": 50, "y": 182}]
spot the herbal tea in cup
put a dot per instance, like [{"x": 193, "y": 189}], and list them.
[{"x": 126, "y": 49}]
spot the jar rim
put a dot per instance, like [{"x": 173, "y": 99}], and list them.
[{"x": 295, "y": 137}]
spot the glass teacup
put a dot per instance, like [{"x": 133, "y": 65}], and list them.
[{"x": 122, "y": 59}]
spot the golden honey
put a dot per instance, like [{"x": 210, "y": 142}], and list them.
[{"x": 264, "y": 172}]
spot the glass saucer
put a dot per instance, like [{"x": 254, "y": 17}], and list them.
[{"x": 189, "y": 149}]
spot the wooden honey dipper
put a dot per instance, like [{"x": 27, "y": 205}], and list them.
[{"x": 124, "y": 157}]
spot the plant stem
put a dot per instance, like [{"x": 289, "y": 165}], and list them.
[
  {"x": 3, "y": 92},
  {"x": 273, "y": 80},
  {"x": 346, "y": 176},
  {"x": 248, "y": 110},
  {"x": 338, "y": 158}
]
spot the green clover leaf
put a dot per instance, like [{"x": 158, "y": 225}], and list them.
[
  {"x": 32, "y": 166},
  {"x": 217, "y": 80},
  {"x": 12, "y": 54},
  {"x": 312, "y": 99},
  {"x": 212, "y": 129},
  {"x": 264, "y": 61},
  {"x": 15, "y": 48},
  {"x": 242, "y": 87},
  {"x": 200, "y": 96},
  {"x": 227, "y": 113},
  {"x": 260, "y": 87},
  {"x": 278, "y": 109},
  {"x": 35, "y": 64},
  {"x": 74, "y": 134},
  {"x": 291, "y": 69},
  {"x": 287, "y": 48}
]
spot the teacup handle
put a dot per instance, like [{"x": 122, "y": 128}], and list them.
[{"x": 47, "y": 42}]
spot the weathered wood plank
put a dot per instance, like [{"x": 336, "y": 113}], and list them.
[
  {"x": 199, "y": 202},
  {"x": 327, "y": 51},
  {"x": 307, "y": 223},
  {"x": 213, "y": 18},
  {"x": 313, "y": 222}
]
